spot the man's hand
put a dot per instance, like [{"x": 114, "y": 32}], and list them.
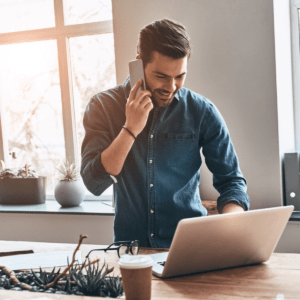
[
  {"x": 232, "y": 208},
  {"x": 138, "y": 108}
]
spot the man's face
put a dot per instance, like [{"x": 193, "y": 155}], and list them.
[{"x": 164, "y": 77}]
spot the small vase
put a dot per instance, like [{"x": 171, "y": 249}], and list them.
[{"x": 69, "y": 193}]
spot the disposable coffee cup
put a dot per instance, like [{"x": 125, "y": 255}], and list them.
[{"x": 136, "y": 271}]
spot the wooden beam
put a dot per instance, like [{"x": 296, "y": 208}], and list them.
[{"x": 56, "y": 32}]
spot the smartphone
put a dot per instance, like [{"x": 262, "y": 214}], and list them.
[{"x": 136, "y": 72}]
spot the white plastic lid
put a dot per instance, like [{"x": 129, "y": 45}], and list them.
[{"x": 135, "y": 261}]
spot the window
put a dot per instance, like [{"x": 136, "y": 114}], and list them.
[
  {"x": 295, "y": 23},
  {"x": 54, "y": 55},
  {"x": 287, "y": 21}
]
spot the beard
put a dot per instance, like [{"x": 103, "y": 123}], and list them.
[{"x": 158, "y": 99}]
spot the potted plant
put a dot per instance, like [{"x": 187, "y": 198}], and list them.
[
  {"x": 21, "y": 186},
  {"x": 70, "y": 190}
]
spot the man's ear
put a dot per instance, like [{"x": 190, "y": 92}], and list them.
[{"x": 138, "y": 56}]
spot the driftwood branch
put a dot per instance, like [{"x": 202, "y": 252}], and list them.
[
  {"x": 14, "y": 279},
  {"x": 93, "y": 262},
  {"x": 86, "y": 265},
  {"x": 10, "y": 253},
  {"x": 64, "y": 282},
  {"x": 53, "y": 283}
]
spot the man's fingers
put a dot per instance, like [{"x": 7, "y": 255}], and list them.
[
  {"x": 134, "y": 90},
  {"x": 140, "y": 98},
  {"x": 149, "y": 107},
  {"x": 146, "y": 101}
]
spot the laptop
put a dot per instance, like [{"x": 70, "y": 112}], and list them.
[{"x": 222, "y": 241}]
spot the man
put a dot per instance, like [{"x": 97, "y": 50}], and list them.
[{"x": 148, "y": 144}]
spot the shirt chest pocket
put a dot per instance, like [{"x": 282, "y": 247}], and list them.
[
  {"x": 178, "y": 148},
  {"x": 178, "y": 137}
]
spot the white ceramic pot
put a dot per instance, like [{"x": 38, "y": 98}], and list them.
[{"x": 69, "y": 193}]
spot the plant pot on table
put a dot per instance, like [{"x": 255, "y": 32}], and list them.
[{"x": 69, "y": 193}]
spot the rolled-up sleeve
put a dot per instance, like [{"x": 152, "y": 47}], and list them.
[
  {"x": 97, "y": 139},
  {"x": 222, "y": 161}
]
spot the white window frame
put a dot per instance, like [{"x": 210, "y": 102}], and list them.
[
  {"x": 295, "y": 39},
  {"x": 61, "y": 33}
]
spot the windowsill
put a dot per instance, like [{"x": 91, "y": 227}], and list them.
[
  {"x": 89, "y": 197},
  {"x": 52, "y": 207},
  {"x": 295, "y": 216},
  {"x": 92, "y": 208}
]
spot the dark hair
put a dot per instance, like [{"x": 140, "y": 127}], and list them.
[{"x": 166, "y": 37}]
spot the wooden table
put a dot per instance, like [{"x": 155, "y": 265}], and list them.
[{"x": 278, "y": 278}]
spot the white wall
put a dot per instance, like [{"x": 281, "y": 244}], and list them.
[{"x": 233, "y": 64}]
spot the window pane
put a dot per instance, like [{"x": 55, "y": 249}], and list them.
[
  {"x": 20, "y": 15},
  {"x": 79, "y": 12},
  {"x": 30, "y": 94},
  {"x": 93, "y": 70}
]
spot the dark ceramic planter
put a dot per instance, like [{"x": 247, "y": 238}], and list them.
[{"x": 22, "y": 191}]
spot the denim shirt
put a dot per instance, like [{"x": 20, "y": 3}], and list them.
[{"x": 158, "y": 184}]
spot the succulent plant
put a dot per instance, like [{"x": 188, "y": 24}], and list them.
[
  {"x": 26, "y": 172},
  {"x": 94, "y": 282},
  {"x": 7, "y": 173},
  {"x": 91, "y": 283},
  {"x": 113, "y": 287},
  {"x": 22, "y": 172},
  {"x": 44, "y": 278},
  {"x": 67, "y": 171}
]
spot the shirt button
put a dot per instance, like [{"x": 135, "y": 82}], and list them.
[
  {"x": 151, "y": 136},
  {"x": 151, "y": 185},
  {"x": 152, "y": 211},
  {"x": 152, "y": 234},
  {"x": 150, "y": 161}
]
